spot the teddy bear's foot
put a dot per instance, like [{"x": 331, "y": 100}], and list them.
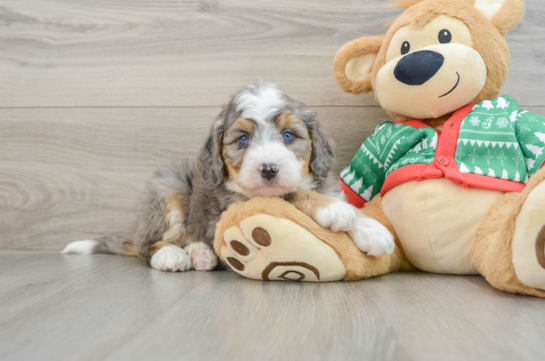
[
  {"x": 529, "y": 240},
  {"x": 509, "y": 247},
  {"x": 265, "y": 247}
]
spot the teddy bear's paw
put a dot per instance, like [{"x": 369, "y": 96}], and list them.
[
  {"x": 264, "y": 247},
  {"x": 338, "y": 216},
  {"x": 528, "y": 244},
  {"x": 202, "y": 256},
  {"x": 372, "y": 237}
]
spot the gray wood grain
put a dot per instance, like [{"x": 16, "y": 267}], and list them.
[
  {"x": 99, "y": 307},
  {"x": 193, "y": 53},
  {"x": 78, "y": 173}
]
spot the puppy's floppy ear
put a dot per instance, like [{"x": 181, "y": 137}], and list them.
[
  {"x": 210, "y": 158},
  {"x": 504, "y": 14},
  {"x": 353, "y": 64},
  {"x": 323, "y": 155}
]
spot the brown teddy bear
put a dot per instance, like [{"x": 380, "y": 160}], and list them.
[{"x": 457, "y": 177}]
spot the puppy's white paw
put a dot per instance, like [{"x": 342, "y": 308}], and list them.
[
  {"x": 372, "y": 237},
  {"x": 171, "y": 259},
  {"x": 202, "y": 257},
  {"x": 338, "y": 216}
]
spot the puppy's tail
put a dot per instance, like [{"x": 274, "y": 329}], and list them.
[{"x": 110, "y": 244}]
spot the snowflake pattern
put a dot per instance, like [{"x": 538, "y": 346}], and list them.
[
  {"x": 475, "y": 121},
  {"x": 488, "y": 158},
  {"x": 473, "y": 156},
  {"x": 502, "y": 122},
  {"x": 382, "y": 139},
  {"x": 518, "y": 159},
  {"x": 459, "y": 154},
  {"x": 502, "y": 158}
]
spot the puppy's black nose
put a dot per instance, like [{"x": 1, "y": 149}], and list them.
[
  {"x": 268, "y": 170},
  {"x": 418, "y": 67}
]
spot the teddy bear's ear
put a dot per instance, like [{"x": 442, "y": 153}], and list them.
[
  {"x": 354, "y": 62},
  {"x": 504, "y": 14}
]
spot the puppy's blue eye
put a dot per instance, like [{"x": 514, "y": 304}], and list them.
[
  {"x": 244, "y": 140},
  {"x": 288, "y": 137}
]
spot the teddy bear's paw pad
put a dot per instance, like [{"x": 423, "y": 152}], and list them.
[
  {"x": 266, "y": 248},
  {"x": 529, "y": 240}
]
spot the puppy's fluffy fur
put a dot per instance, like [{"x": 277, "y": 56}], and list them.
[{"x": 263, "y": 143}]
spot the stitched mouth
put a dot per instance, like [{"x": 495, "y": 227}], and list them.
[{"x": 451, "y": 90}]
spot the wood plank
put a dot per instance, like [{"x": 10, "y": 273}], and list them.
[
  {"x": 99, "y": 307},
  {"x": 61, "y": 53},
  {"x": 77, "y": 173},
  {"x": 53, "y": 294}
]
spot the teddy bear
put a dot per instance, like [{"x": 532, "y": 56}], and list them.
[{"x": 457, "y": 177}]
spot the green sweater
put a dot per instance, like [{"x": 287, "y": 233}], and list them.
[{"x": 493, "y": 145}]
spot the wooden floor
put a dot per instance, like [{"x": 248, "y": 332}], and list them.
[
  {"x": 100, "y": 307},
  {"x": 95, "y": 94}
]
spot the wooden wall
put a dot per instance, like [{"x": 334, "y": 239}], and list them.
[{"x": 95, "y": 94}]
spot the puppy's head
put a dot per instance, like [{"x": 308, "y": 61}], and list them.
[{"x": 264, "y": 143}]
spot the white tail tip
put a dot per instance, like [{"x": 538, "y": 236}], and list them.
[{"x": 81, "y": 247}]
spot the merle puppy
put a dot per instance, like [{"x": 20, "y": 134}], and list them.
[{"x": 263, "y": 143}]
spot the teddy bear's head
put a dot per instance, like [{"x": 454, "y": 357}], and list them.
[{"x": 437, "y": 57}]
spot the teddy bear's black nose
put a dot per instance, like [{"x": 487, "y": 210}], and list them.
[{"x": 418, "y": 67}]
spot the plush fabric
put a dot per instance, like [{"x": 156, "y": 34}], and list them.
[
  {"x": 436, "y": 221},
  {"x": 493, "y": 249},
  {"x": 365, "y": 49}
]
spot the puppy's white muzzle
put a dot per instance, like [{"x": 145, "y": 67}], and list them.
[{"x": 270, "y": 170}]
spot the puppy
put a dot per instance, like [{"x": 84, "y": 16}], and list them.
[{"x": 263, "y": 143}]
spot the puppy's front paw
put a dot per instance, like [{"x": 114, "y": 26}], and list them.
[
  {"x": 202, "y": 256},
  {"x": 338, "y": 216},
  {"x": 372, "y": 237},
  {"x": 171, "y": 259}
]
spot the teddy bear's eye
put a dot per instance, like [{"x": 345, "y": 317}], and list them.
[
  {"x": 445, "y": 36},
  {"x": 405, "y": 48}
]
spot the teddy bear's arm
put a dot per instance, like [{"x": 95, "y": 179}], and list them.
[
  {"x": 366, "y": 173},
  {"x": 530, "y": 131},
  {"x": 379, "y": 155}
]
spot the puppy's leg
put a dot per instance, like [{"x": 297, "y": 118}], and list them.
[
  {"x": 328, "y": 212},
  {"x": 369, "y": 235},
  {"x": 166, "y": 254}
]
